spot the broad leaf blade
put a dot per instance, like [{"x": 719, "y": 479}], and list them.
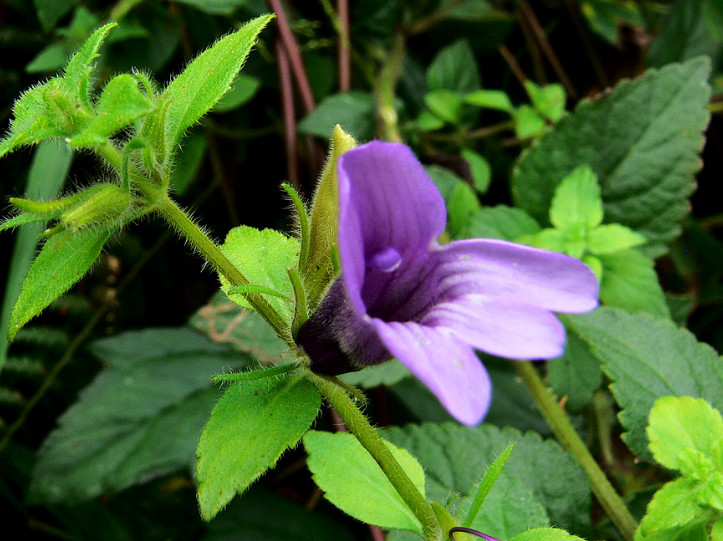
[
  {"x": 651, "y": 130},
  {"x": 207, "y": 78},
  {"x": 250, "y": 427},
  {"x": 355, "y": 483},
  {"x": 647, "y": 358},
  {"x": 140, "y": 418},
  {"x": 63, "y": 260}
]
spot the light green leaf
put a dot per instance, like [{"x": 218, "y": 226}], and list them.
[
  {"x": 444, "y": 179},
  {"x": 387, "y": 374},
  {"x": 716, "y": 533},
  {"x": 454, "y": 68},
  {"x": 250, "y": 427},
  {"x": 673, "y": 505},
  {"x": 551, "y": 474},
  {"x": 528, "y": 123},
  {"x": 428, "y": 121},
  {"x": 462, "y": 203},
  {"x": 479, "y": 168},
  {"x": 22, "y": 219},
  {"x": 120, "y": 104},
  {"x": 550, "y": 239},
  {"x": 206, "y": 79},
  {"x": 355, "y": 483},
  {"x": 647, "y": 358},
  {"x": 48, "y": 170},
  {"x": 353, "y": 111},
  {"x": 139, "y": 418},
  {"x": 651, "y": 132},
  {"x": 679, "y": 423},
  {"x": 80, "y": 66},
  {"x": 263, "y": 257},
  {"x": 546, "y": 534},
  {"x": 609, "y": 238},
  {"x": 490, "y": 99},
  {"x": 576, "y": 205},
  {"x": 629, "y": 281},
  {"x": 446, "y": 104},
  {"x": 63, "y": 260},
  {"x": 510, "y": 508},
  {"x": 549, "y": 100},
  {"x": 500, "y": 222}
]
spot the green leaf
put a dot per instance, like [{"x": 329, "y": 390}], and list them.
[
  {"x": 250, "y": 427},
  {"x": 454, "y": 68},
  {"x": 605, "y": 17},
  {"x": 510, "y": 508},
  {"x": 480, "y": 170},
  {"x": 263, "y": 257},
  {"x": 446, "y": 104},
  {"x": 609, "y": 238},
  {"x": 225, "y": 322},
  {"x": 490, "y": 99},
  {"x": 444, "y": 179},
  {"x": 139, "y": 418},
  {"x": 647, "y": 358},
  {"x": 242, "y": 90},
  {"x": 353, "y": 111},
  {"x": 546, "y": 534},
  {"x": 387, "y": 374},
  {"x": 651, "y": 132},
  {"x": 63, "y": 260},
  {"x": 551, "y": 474},
  {"x": 629, "y": 281},
  {"x": 355, "y": 483},
  {"x": 248, "y": 519},
  {"x": 576, "y": 375},
  {"x": 462, "y": 203},
  {"x": 528, "y": 123},
  {"x": 576, "y": 205},
  {"x": 716, "y": 533},
  {"x": 188, "y": 163},
  {"x": 673, "y": 505},
  {"x": 80, "y": 66},
  {"x": 206, "y": 79},
  {"x": 215, "y": 7},
  {"x": 120, "y": 104},
  {"x": 49, "y": 12},
  {"x": 500, "y": 222},
  {"x": 549, "y": 100},
  {"x": 48, "y": 170},
  {"x": 679, "y": 423}
]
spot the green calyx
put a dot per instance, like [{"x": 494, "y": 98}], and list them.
[{"x": 319, "y": 269}]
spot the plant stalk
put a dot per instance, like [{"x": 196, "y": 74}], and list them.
[
  {"x": 610, "y": 501},
  {"x": 374, "y": 444}
]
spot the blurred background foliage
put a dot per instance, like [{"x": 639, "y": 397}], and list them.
[{"x": 469, "y": 84}]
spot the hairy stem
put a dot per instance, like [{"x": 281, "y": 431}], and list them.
[
  {"x": 385, "y": 91},
  {"x": 567, "y": 435},
  {"x": 373, "y": 443}
]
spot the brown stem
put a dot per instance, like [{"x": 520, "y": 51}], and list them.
[
  {"x": 342, "y": 7},
  {"x": 512, "y": 63},
  {"x": 289, "y": 115},
  {"x": 597, "y": 66},
  {"x": 534, "y": 49},
  {"x": 544, "y": 43}
]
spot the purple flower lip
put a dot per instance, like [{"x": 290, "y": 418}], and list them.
[{"x": 402, "y": 294}]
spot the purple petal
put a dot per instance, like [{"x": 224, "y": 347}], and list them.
[
  {"x": 505, "y": 271},
  {"x": 501, "y": 328},
  {"x": 386, "y": 200},
  {"x": 448, "y": 367}
]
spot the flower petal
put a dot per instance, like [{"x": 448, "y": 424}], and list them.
[
  {"x": 386, "y": 200},
  {"x": 447, "y": 366},
  {"x": 501, "y": 328},
  {"x": 519, "y": 274}
]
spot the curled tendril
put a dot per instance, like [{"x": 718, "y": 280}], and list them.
[{"x": 460, "y": 529}]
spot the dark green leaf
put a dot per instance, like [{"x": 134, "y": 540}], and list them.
[
  {"x": 242, "y": 90},
  {"x": 250, "y": 427},
  {"x": 64, "y": 259},
  {"x": 353, "y": 111},
  {"x": 215, "y": 7},
  {"x": 647, "y": 358},
  {"x": 651, "y": 129},
  {"x": 50, "y": 11},
  {"x": 480, "y": 170},
  {"x": 140, "y": 418},
  {"x": 455, "y": 458},
  {"x": 500, "y": 222},
  {"x": 576, "y": 375},
  {"x": 454, "y": 68}
]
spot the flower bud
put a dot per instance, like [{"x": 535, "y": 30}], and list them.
[{"x": 101, "y": 203}]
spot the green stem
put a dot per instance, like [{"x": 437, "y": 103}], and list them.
[
  {"x": 374, "y": 444},
  {"x": 186, "y": 227},
  {"x": 611, "y": 503},
  {"x": 387, "y": 82}
]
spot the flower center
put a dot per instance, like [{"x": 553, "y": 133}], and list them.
[{"x": 384, "y": 259}]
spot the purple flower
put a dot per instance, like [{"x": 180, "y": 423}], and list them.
[{"x": 402, "y": 294}]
